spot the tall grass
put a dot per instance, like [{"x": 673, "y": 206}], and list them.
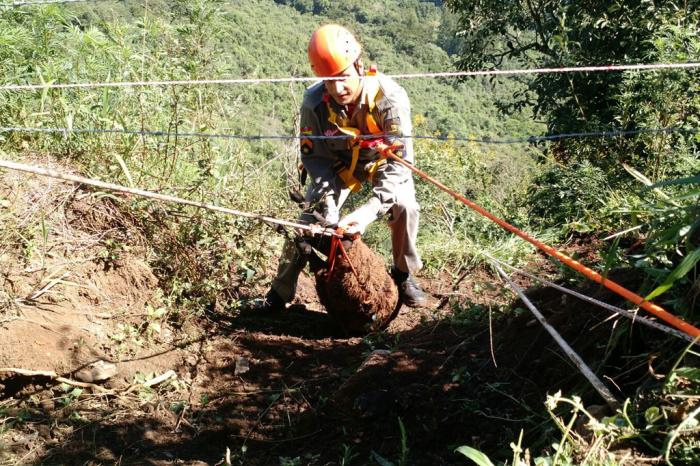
[{"x": 201, "y": 255}]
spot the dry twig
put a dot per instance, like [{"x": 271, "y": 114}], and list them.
[{"x": 54, "y": 376}]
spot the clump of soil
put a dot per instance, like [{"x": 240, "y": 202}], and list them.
[{"x": 364, "y": 302}]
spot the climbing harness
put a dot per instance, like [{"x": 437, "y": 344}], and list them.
[{"x": 371, "y": 93}]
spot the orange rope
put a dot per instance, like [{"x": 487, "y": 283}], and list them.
[{"x": 632, "y": 297}]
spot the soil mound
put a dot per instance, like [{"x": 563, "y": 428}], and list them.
[
  {"x": 366, "y": 302},
  {"x": 75, "y": 282}
]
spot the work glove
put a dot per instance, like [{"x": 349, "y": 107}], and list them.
[
  {"x": 330, "y": 209},
  {"x": 395, "y": 147},
  {"x": 357, "y": 221},
  {"x": 331, "y": 216}
]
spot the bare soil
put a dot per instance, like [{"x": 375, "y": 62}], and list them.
[{"x": 269, "y": 389}]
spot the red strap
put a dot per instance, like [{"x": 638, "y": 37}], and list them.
[
  {"x": 347, "y": 258},
  {"x": 337, "y": 243},
  {"x": 380, "y": 146},
  {"x": 332, "y": 255},
  {"x": 369, "y": 143}
]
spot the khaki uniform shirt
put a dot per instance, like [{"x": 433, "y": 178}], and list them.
[{"x": 392, "y": 114}]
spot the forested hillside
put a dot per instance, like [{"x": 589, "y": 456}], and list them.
[
  {"x": 149, "y": 288},
  {"x": 129, "y": 41},
  {"x": 199, "y": 40}
]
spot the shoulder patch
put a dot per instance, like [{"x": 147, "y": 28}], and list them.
[
  {"x": 306, "y": 146},
  {"x": 393, "y": 125}
]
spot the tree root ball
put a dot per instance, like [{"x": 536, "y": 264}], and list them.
[{"x": 363, "y": 305}]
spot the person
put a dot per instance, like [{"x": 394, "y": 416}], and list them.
[{"x": 354, "y": 103}]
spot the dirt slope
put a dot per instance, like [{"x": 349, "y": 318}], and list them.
[
  {"x": 284, "y": 389},
  {"x": 75, "y": 282}
]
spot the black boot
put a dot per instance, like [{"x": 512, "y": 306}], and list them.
[
  {"x": 410, "y": 292},
  {"x": 272, "y": 302}
]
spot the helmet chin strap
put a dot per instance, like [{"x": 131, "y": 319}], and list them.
[{"x": 359, "y": 67}]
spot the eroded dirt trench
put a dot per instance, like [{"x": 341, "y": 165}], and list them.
[
  {"x": 256, "y": 389},
  {"x": 292, "y": 389},
  {"x": 263, "y": 386}
]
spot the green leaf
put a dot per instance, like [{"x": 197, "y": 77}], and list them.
[
  {"x": 689, "y": 195},
  {"x": 177, "y": 406},
  {"x": 678, "y": 181},
  {"x": 679, "y": 272},
  {"x": 105, "y": 107},
  {"x": 381, "y": 460},
  {"x": 639, "y": 176},
  {"x": 125, "y": 169},
  {"x": 652, "y": 414},
  {"x": 475, "y": 455},
  {"x": 692, "y": 373}
]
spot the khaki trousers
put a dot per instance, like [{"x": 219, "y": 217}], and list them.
[{"x": 403, "y": 221}]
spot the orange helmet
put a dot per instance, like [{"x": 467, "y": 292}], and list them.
[{"x": 332, "y": 49}]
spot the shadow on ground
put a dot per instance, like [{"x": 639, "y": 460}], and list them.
[{"x": 276, "y": 388}]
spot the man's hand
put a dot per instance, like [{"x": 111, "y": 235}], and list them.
[
  {"x": 331, "y": 216},
  {"x": 352, "y": 229},
  {"x": 329, "y": 209},
  {"x": 357, "y": 221},
  {"x": 396, "y": 147},
  {"x": 352, "y": 226}
]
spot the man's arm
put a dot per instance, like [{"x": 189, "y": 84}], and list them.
[
  {"x": 396, "y": 122},
  {"x": 318, "y": 161}
]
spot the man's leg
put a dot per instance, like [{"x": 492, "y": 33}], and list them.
[
  {"x": 404, "y": 230},
  {"x": 405, "y": 215},
  {"x": 284, "y": 285},
  {"x": 290, "y": 266}
]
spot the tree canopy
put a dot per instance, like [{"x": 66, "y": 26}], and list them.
[{"x": 554, "y": 33}]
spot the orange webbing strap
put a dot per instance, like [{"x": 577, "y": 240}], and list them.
[
  {"x": 632, "y": 297},
  {"x": 380, "y": 146},
  {"x": 337, "y": 244}
]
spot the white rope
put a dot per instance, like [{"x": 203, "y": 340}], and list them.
[
  {"x": 568, "y": 350},
  {"x": 625, "y": 313},
  {"x": 312, "y": 228},
  {"x": 44, "y": 2},
  {"x": 448, "y": 74}
]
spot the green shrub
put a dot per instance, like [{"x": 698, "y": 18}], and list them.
[{"x": 568, "y": 197}]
